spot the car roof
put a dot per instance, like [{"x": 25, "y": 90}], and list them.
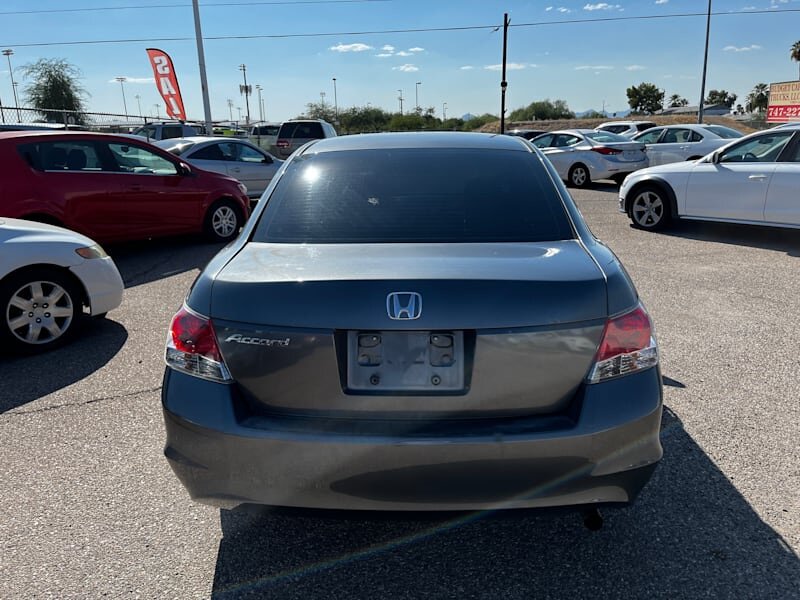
[
  {"x": 5, "y": 135},
  {"x": 419, "y": 140}
]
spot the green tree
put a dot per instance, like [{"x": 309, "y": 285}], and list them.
[
  {"x": 542, "y": 110},
  {"x": 54, "y": 86},
  {"x": 675, "y": 101},
  {"x": 758, "y": 99},
  {"x": 478, "y": 122},
  {"x": 794, "y": 54},
  {"x": 645, "y": 98},
  {"x": 721, "y": 97},
  {"x": 319, "y": 110}
]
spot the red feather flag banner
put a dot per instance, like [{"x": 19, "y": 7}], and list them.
[{"x": 167, "y": 83}]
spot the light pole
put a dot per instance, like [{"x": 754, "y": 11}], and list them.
[
  {"x": 230, "y": 109},
  {"x": 335, "y": 101},
  {"x": 246, "y": 90},
  {"x": 416, "y": 94},
  {"x": 705, "y": 67},
  {"x": 260, "y": 105},
  {"x": 444, "y": 111},
  {"x": 139, "y": 103},
  {"x": 158, "y": 106},
  {"x": 239, "y": 108},
  {"x": 7, "y": 53},
  {"x": 201, "y": 59},
  {"x": 122, "y": 81},
  {"x": 401, "y": 101}
]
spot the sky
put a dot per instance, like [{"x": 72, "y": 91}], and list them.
[{"x": 584, "y": 52}]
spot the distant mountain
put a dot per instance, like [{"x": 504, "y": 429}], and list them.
[
  {"x": 467, "y": 117},
  {"x": 609, "y": 113}
]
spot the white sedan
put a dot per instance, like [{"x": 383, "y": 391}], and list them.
[
  {"x": 676, "y": 143},
  {"x": 753, "y": 180},
  {"x": 583, "y": 155},
  {"x": 50, "y": 279},
  {"x": 236, "y": 158}
]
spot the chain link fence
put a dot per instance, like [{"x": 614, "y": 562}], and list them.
[{"x": 67, "y": 119}]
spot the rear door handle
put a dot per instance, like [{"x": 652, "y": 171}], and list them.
[{"x": 757, "y": 177}]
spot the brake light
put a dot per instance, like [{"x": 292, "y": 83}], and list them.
[
  {"x": 282, "y": 143},
  {"x": 192, "y": 347},
  {"x": 606, "y": 151},
  {"x": 627, "y": 346}
]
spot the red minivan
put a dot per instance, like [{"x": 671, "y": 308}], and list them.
[{"x": 113, "y": 187}]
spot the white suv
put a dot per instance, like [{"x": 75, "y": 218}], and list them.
[{"x": 166, "y": 131}]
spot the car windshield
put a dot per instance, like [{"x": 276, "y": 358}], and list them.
[
  {"x": 605, "y": 137},
  {"x": 414, "y": 195},
  {"x": 724, "y": 132},
  {"x": 177, "y": 148}
]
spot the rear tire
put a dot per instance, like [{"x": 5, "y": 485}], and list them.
[
  {"x": 578, "y": 176},
  {"x": 223, "y": 221},
  {"x": 40, "y": 309},
  {"x": 650, "y": 208}
]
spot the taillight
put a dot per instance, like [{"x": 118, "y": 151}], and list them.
[
  {"x": 628, "y": 346},
  {"x": 606, "y": 151},
  {"x": 192, "y": 347},
  {"x": 282, "y": 143}
]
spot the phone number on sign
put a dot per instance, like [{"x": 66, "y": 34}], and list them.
[{"x": 783, "y": 112}]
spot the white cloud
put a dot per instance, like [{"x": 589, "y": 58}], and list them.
[
  {"x": 601, "y": 6},
  {"x": 357, "y": 47},
  {"x": 384, "y": 55},
  {"x": 407, "y": 68},
  {"x": 134, "y": 80},
  {"x": 467, "y": 68},
  {"x": 509, "y": 67},
  {"x": 387, "y": 48},
  {"x": 561, "y": 9},
  {"x": 661, "y": 1},
  {"x": 416, "y": 49},
  {"x": 404, "y": 53},
  {"x": 742, "y": 49},
  {"x": 635, "y": 68},
  {"x": 594, "y": 68},
  {"x": 548, "y": 9}
]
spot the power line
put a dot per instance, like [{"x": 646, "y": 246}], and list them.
[
  {"x": 162, "y": 6},
  {"x": 393, "y": 31}
]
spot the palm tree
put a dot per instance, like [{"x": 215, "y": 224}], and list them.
[
  {"x": 758, "y": 99},
  {"x": 795, "y": 55}
]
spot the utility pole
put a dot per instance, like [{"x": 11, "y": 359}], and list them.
[
  {"x": 401, "y": 101},
  {"x": 246, "y": 90},
  {"x": 230, "y": 109},
  {"x": 416, "y": 94},
  {"x": 122, "y": 81},
  {"x": 7, "y": 53},
  {"x": 444, "y": 111},
  {"x": 705, "y": 67},
  {"x": 260, "y": 105},
  {"x": 335, "y": 101},
  {"x": 504, "y": 83},
  {"x": 322, "y": 99},
  {"x": 158, "y": 106},
  {"x": 201, "y": 59}
]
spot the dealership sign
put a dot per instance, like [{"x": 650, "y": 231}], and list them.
[
  {"x": 167, "y": 83},
  {"x": 784, "y": 102}
]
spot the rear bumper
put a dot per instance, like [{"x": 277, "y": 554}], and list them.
[{"x": 606, "y": 457}]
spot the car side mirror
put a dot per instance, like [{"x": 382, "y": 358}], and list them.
[
  {"x": 714, "y": 158},
  {"x": 267, "y": 160},
  {"x": 184, "y": 169}
]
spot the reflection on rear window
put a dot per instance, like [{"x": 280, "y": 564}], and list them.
[{"x": 414, "y": 195}]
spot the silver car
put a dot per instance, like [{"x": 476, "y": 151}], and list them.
[
  {"x": 415, "y": 321},
  {"x": 584, "y": 155},
  {"x": 677, "y": 143},
  {"x": 239, "y": 159}
]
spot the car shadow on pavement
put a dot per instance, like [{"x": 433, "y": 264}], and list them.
[
  {"x": 28, "y": 378},
  {"x": 691, "y": 534},
  {"x": 767, "y": 238},
  {"x": 150, "y": 260}
]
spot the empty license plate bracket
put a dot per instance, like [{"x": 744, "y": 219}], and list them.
[{"x": 405, "y": 361}]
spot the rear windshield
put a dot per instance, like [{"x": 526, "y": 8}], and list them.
[
  {"x": 414, "y": 195},
  {"x": 724, "y": 132},
  {"x": 605, "y": 137}
]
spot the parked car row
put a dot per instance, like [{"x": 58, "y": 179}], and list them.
[{"x": 585, "y": 155}]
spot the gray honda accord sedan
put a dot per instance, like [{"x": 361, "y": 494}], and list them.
[{"x": 413, "y": 321}]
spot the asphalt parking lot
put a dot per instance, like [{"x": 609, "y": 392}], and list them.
[{"x": 91, "y": 509}]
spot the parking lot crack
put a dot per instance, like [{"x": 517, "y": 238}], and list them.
[{"x": 82, "y": 403}]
